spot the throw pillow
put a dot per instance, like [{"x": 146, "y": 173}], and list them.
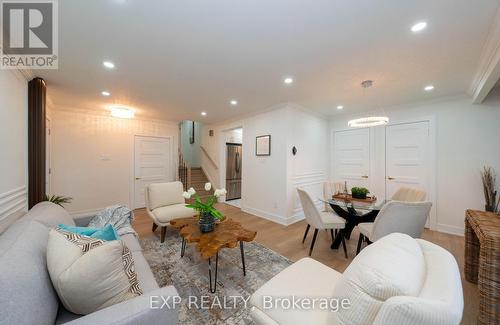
[
  {"x": 106, "y": 233},
  {"x": 89, "y": 274}
]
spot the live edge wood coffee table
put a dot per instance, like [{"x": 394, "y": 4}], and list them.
[
  {"x": 227, "y": 234},
  {"x": 482, "y": 261}
]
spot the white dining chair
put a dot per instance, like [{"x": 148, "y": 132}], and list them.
[
  {"x": 329, "y": 189},
  {"x": 395, "y": 216},
  {"x": 408, "y": 194},
  {"x": 319, "y": 220}
]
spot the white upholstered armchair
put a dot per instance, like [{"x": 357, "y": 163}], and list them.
[
  {"x": 164, "y": 202},
  {"x": 396, "y": 280}
]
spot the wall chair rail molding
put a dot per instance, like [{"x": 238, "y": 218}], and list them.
[
  {"x": 12, "y": 204},
  {"x": 312, "y": 182}
]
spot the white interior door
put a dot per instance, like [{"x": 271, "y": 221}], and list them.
[
  {"x": 407, "y": 157},
  {"x": 352, "y": 157},
  {"x": 153, "y": 163}
]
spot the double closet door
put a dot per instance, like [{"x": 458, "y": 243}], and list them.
[{"x": 383, "y": 159}]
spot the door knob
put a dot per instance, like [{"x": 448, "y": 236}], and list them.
[
  {"x": 364, "y": 176},
  {"x": 390, "y": 178},
  {"x": 137, "y": 178}
]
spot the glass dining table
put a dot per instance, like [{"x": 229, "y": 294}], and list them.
[{"x": 354, "y": 212}]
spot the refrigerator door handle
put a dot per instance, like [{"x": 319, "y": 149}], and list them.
[{"x": 237, "y": 163}]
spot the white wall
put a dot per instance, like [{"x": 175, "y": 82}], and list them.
[
  {"x": 234, "y": 136},
  {"x": 13, "y": 144},
  {"x": 467, "y": 138},
  {"x": 191, "y": 151},
  {"x": 264, "y": 178},
  {"x": 92, "y": 157},
  {"x": 308, "y": 169},
  {"x": 268, "y": 183}
]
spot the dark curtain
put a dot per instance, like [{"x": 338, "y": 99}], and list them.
[{"x": 36, "y": 141}]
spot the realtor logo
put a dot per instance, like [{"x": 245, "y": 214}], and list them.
[{"x": 29, "y": 34}]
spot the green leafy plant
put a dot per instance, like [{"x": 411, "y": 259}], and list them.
[
  {"x": 359, "y": 191},
  {"x": 208, "y": 206},
  {"x": 58, "y": 199}
]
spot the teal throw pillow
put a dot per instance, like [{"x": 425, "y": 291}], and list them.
[{"x": 106, "y": 233}]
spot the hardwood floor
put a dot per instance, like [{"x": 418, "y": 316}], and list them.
[{"x": 287, "y": 241}]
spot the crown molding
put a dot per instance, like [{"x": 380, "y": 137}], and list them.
[{"x": 488, "y": 71}]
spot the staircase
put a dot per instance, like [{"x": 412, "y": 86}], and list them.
[
  {"x": 198, "y": 180},
  {"x": 193, "y": 177}
]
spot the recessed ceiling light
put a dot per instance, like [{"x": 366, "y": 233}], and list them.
[
  {"x": 234, "y": 102},
  {"x": 121, "y": 111},
  {"x": 105, "y": 93},
  {"x": 429, "y": 88},
  {"x": 108, "y": 64},
  {"x": 288, "y": 80},
  {"x": 204, "y": 113},
  {"x": 419, "y": 27},
  {"x": 340, "y": 107}
]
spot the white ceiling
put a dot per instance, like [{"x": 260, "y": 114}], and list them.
[{"x": 177, "y": 58}]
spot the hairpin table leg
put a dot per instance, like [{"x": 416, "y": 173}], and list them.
[
  {"x": 183, "y": 247},
  {"x": 243, "y": 258},
  {"x": 213, "y": 288}
]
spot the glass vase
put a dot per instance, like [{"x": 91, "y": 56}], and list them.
[{"x": 206, "y": 222}]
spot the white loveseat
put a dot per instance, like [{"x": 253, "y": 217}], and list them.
[{"x": 396, "y": 280}]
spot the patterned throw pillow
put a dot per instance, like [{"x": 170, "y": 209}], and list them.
[{"x": 89, "y": 274}]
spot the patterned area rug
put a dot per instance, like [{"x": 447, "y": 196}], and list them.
[{"x": 189, "y": 275}]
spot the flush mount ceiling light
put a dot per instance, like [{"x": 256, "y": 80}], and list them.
[
  {"x": 340, "y": 107},
  {"x": 429, "y": 88},
  {"x": 420, "y": 26},
  {"x": 108, "y": 64},
  {"x": 370, "y": 120},
  {"x": 288, "y": 80},
  {"x": 106, "y": 93},
  {"x": 233, "y": 102},
  {"x": 204, "y": 113},
  {"x": 121, "y": 111}
]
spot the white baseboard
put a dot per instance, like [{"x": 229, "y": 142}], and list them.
[
  {"x": 453, "y": 230},
  {"x": 272, "y": 216},
  {"x": 295, "y": 218}
]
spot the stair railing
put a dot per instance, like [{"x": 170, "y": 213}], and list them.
[{"x": 184, "y": 175}]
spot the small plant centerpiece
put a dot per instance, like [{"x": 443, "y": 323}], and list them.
[
  {"x": 207, "y": 213},
  {"x": 359, "y": 192}
]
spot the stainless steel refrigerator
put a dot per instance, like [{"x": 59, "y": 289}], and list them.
[{"x": 233, "y": 171}]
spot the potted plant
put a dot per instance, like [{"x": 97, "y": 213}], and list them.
[
  {"x": 58, "y": 199},
  {"x": 489, "y": 188},
  {"x": 359, "y": 192},
  {"x": 207, "y": 213}
]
